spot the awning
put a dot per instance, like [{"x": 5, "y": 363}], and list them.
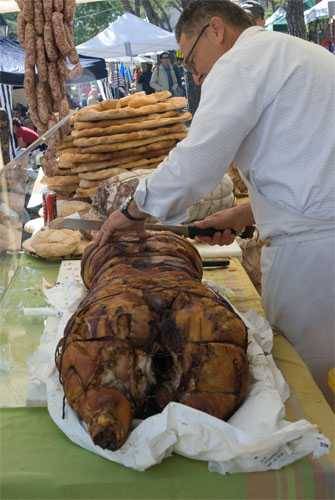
[
  {"x": 320, "y": 10},
  {"x": 12, "y": 65},
  {"x": 128, "y": 35}
]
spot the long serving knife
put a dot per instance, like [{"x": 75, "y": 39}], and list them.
[{"x": 188, "y": 231}]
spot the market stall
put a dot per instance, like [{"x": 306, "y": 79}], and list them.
[
  {"x": 277, "y": 21},
  {"x": 320, "y": 22},
  {"x": 12, "y": 60},
  {"x": 129, "y": 35},
  {"x": 318, "y": 11}
]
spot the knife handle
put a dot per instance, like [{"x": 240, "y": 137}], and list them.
[
  {"x": 247, "y": 232},
  {"x": 194, "y": 231}
]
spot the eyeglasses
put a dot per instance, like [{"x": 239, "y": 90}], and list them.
[{"x": 189, "y": 65}]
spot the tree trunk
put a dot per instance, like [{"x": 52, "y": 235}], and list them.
[
  {"x": 295, "y": 18},
  {"x": 151, "y": 14},
  {"x": 166, "y": 19},
  {"x": 138, "y": 7},
  {"x": 127, "y": 6},
  {"x": 184, "y": 3}
]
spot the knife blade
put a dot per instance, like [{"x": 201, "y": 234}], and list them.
[{"x": 188, "y": 231}]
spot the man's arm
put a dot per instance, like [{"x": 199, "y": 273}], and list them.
[
  {"x": 117, "y": 221},
  {"x": 236, "y": 218},
  {"x": 230, "y": 107}
]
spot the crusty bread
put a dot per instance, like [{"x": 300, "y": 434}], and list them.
[
  {"x": 88, "y": 114},
  {"x": 86, "y": 192},
  {"x": 134, "y": 101},
  {"x": 124, "y": 121},
  {"x": 142, "y": 125},
  {"x": 101, "y": 174},
  {"x": 138, "y": 101},
  {"x": 55, "y": 242},
  {"x": 108, "y": 148},
  {"x": 87, "y": 142},
  {"x": 68, "y": 159},
  {"x": 68, "y": 207},
  {"x": 110, "y": 172},
  {"x": 136, "y": 160},
  {"x": 60, "y": 180}
]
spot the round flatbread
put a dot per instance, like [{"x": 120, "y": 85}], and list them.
[
  {"x": 69, "y": 207},
  {"x": 50, "y": 243},
  {"x": 34, "y": 225}
]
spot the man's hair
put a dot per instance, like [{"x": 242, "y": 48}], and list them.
[
  {"x": 199, "y": 12},
  {"x": 254, "y": 9},
  {"x": 164, "y": 55},
  {"x": 16, "y": 122}
]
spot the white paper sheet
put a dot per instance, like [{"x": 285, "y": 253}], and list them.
[{"x": 256, "y": 438}]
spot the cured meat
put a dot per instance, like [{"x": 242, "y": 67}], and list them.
[{"x": 148, "y": 333}]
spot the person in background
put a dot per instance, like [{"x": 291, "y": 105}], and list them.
[
  {"x": 136, "y": 77},
  {"x": 83, "y": 100},
  {"x": 145, "y": 78},
  {"x": 20, "y": 111},
  {"x": 4, "y": 135},
  {"x": 255, "y": 11},
  {"x": 93, "y": 96},
  {"x": 179, "y": 71},
  {"x": 24, "y": 136},
  {"x": 73, "y": 103},
  {"x": 164, "y": 76}
]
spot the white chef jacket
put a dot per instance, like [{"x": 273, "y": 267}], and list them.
[{"x": 269, "y": 104}]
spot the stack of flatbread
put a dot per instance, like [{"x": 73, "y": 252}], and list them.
[{"x": 115, "y": 136}]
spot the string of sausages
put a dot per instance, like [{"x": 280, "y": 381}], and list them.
[{"x": 45, "y": 31}]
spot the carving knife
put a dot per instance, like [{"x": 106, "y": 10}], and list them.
[{"x": 188, "y": 231}]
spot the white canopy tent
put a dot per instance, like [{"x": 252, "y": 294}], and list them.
[
  {"x": 318, "y": 11},
  {"x": 128, "y": 35}
]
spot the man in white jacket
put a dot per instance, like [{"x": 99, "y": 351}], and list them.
[{"x": 268, "y": 102}]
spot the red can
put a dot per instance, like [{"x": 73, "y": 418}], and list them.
[{"x": 49, "y": 206}]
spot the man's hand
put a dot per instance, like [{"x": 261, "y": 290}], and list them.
[
  {"x": 118, "y": 222},
  {"x": 235, "y": 218}
]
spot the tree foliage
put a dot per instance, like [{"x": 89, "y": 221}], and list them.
[{"x": 92, "y": 18}]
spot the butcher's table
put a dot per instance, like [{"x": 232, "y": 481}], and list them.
[{"x": 39, "y": 462}]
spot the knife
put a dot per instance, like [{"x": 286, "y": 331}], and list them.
[{"x": 188, "y": 231}]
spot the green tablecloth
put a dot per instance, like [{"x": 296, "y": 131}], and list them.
[{"x": 39, "y": 462}]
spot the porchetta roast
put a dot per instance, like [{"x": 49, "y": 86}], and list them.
[{"x": 148, "y": 333}]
